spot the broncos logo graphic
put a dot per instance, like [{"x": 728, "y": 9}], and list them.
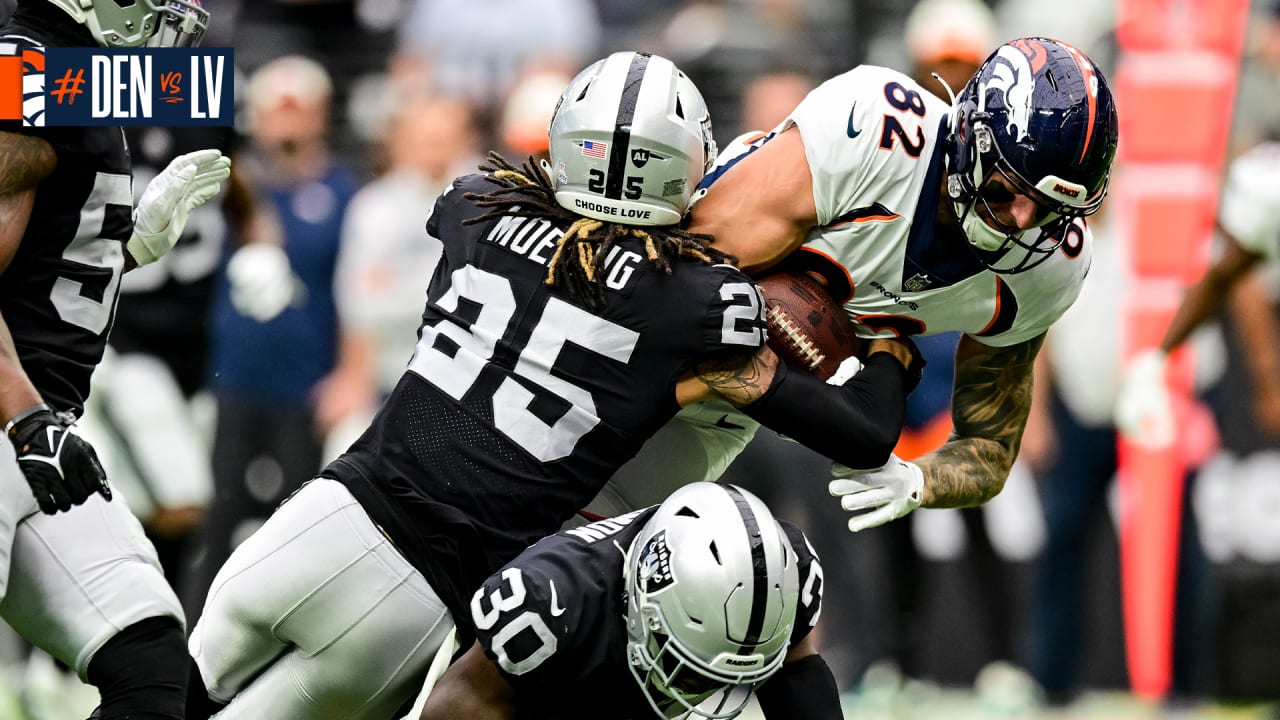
[
  {"x": 33, "y": 87},
  {"x": 1016, "y": 81}
]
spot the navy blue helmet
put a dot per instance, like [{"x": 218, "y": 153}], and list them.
[{"x": 1039, "y": 113}]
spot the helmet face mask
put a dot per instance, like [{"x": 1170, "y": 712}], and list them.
[
  {"x": 1039, "y": 114},
  {"x": 151, "y": 23},
  {"x": 705, "y": 624},
  {"x": 629, "y": 141}
]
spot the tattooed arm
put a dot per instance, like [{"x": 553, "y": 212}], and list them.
[
  {"x": 24, "y": 162},
  {"x": 989, "y": 407}
]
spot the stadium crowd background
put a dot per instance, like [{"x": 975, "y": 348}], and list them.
[{"x": 354, "y": 114}]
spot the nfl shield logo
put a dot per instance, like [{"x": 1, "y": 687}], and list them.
[{"x": 917, "y": 282}]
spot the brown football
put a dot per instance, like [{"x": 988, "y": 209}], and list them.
[{"x": 807, "y": 328}]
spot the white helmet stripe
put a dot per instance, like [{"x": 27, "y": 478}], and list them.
[{"x": 622, "y": 127}]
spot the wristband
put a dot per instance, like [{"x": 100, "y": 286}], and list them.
[{"x": 23, "y": 415}]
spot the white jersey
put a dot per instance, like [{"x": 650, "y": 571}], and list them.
[
  {"x": 872, "y": 138},
  {"x": 1250, "y": 205}
]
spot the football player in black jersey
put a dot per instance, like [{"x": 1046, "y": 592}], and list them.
[
  {"x": 679, "y": 610},
  {"x": 83, "y": 584},
  {"x": 568, "y": 319}
]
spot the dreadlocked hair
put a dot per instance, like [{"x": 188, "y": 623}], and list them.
[{"x": 578, "y": 263}]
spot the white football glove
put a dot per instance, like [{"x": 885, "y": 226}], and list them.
[
  {"x": 262, "y": 283},
  {"x": 1144, "y": 414},
  {"x": 878, "y": 496},
  {"x": 161, "y": 215}
]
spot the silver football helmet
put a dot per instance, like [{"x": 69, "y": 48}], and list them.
[
  {"x": 630, "y": 140},
  {"x": 134, "y": 23},
  {"x": 712, "y": 589}
]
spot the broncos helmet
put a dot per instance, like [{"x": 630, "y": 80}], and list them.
[
  {"x": 630, "y": 140},
  {"x": 134, "y": 23},
  {"x": 1039, "y": 113},
  {"x": 712, "y": 588}
]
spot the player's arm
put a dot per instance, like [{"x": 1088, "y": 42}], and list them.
[
  {"x": 990, "y": 402},
  {"x": 856, "y": 423},
  {"x": 761, "y": 208},
  {"x": 471, "y": 689},
  {"x": 1207, "y": 298},
  {"x": 803, "y": 689},
  {"x": 61, "y": 469},
  {"x": 24, "y": 162},
  {"x": 1259, "y": 335}
]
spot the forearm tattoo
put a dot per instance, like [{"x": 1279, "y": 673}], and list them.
[
  {"x": 989, "y": 408},
  {"x": 24, "y": 162},
  {"x": 740, "y": 379}
]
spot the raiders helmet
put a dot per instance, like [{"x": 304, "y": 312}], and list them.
[
  {"x": 630, "y": 140},
  {"x": 712, "y": 588}
]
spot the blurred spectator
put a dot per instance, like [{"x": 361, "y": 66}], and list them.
[
  {"x": 950, "y": 38},
  {"x": 1257, "y": 114},
  {"x": 477, "y": 51},
  {"x": 527, "y": 112},
  {"x": 725, "y": 45},
  {"x": 274, "y": 322},
  {"x": 770, "y": 97},
  {"x": 387, "y": 259}
]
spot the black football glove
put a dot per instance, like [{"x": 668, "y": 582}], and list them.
[{"x": 61, "y": 468}]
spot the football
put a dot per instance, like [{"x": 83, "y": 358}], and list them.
[{"x": 807, "y": 328}]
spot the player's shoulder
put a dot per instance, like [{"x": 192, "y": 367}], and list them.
[
  {"x": 810, "y": 575},
  {"x": 16, "y": 38},
  {"x": 552, "y": 611},
  {"x": 866, "y": 92}
]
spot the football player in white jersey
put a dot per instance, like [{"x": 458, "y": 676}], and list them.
[
  {"x": 923, "y": 218},
  {"x": 1249, "y": 221}
]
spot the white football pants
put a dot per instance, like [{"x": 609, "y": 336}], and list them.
[
  {"x": 697, "y": 444},
  {"x": 75, "y": 578},
  {"x": 317, "y": 615}
]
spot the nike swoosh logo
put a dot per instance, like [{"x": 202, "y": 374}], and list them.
[
  {"x": 723, "y": 422},
  {"x": 556, "y": 611},
  {"x": 852, "y": 132}
]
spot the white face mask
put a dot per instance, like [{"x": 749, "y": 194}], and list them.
[{"x": 979, "y": 233}]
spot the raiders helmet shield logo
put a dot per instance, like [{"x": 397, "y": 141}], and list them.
[{"x": 654, "y": 567}]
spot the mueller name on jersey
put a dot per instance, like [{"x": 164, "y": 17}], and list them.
[
  {"x": 535, "y": 239},
  {"x": 135, "y": 86}
]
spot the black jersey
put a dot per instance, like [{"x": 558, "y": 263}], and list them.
[
  {"x": 58, "y": 294},
  {"x": 164, "y": 307},
  {"x": 519, "y": 403},
  {"x": 552, "y": 620}
]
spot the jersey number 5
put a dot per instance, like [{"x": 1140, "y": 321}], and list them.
[
  {"x": 451, "y": 357},
  {"x": 72, "y": 300}
]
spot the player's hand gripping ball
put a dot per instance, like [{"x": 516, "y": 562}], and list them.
[{"x": 808, "y": 329}]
